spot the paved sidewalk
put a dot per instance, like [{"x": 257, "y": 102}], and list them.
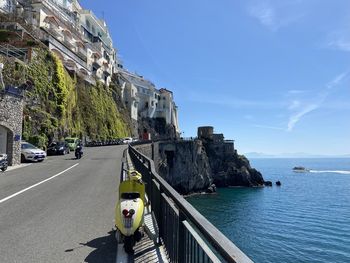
[
  {"x": 147, "y": 250},
  {"x": 22, "y": 165}
]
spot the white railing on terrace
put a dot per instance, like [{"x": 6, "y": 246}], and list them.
[{"x": 62, "y": 12}]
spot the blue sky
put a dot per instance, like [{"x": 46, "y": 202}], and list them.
[{"x": 272, "y": 75}]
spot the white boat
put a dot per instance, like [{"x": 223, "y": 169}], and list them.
[{"x": 300, "y": 169}]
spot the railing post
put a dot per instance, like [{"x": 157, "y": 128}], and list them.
[
  {"x": 161, "y": 212},
  {"x": 152, "y": 146},
  {"x": 181, "y": 238}
]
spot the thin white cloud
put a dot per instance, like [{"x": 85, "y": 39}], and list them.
[
  {"x": 339, "y": 40},
  {"x": 265, "y": 13},
  {"x": 295, "y": 118},
  {"x": 300, "y": 110},
  {"x": 294, "y": 105},
  {"x": 339, "y": 78},
  {"x": 275, "y": 14},
  {"x": 296, "y": 91}
]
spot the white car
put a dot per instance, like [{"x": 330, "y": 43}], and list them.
[
  {"x": 127, "y": 140},
  {"x": 31, "y": 153}
]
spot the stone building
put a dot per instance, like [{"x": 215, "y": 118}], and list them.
[
  {"x": 80, "y": 39},
  {"x": 11, "y": 116},
  {"x": 205, "y": 132},
  {"x": 144, "y": 100}
]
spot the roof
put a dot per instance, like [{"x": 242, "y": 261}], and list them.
[
  {"x": 165, "y": 90},
  {"x": 136, "y": 79}
]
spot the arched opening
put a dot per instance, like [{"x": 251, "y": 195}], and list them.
[
  {"x": 83, "y": 72},
  {"x": 58, "y": 54},
  {"x": 6, "y": 142},
  {"x": 70, "y": 65}
]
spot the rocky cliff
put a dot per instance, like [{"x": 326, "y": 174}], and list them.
[
  {"x": 194, "y": 166},
  {"x": 229, "y": 168},
  {"x": 185, "y": 165}
]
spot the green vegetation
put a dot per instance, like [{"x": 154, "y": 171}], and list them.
[{"x": 61, "y": 105}]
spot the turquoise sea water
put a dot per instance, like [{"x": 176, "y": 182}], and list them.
[{"x": 307, "y": 219}]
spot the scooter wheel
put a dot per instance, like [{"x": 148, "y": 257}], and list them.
[
  {"x": 138, "y": 235},
  {"x": 128, "y": 245}
]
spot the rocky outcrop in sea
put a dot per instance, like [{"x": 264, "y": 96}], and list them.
[{"x": 202, "y": 164}]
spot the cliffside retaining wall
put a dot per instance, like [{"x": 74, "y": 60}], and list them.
[{"x": 11, "y": 117}]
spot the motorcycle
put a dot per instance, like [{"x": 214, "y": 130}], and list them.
[
  {"x": 79, "y": 152},
  {"x": 129, "y": 212},
  {"x": 3, "y": 162}
]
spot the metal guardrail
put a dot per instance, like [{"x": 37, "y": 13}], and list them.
[
  {"x": 12, "y": 51},
  {"x": 187, "y": 235}
]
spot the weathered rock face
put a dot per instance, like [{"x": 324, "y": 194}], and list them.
[
  {"x": 194, "y": 166},
  {"x": 229, "y": 168},
  {"x": 185, "y": 166}
]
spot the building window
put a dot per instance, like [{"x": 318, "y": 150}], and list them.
[{"x": 88, "y": 24}]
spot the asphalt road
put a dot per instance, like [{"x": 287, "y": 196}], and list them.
[{"x": 69, "y": 217}]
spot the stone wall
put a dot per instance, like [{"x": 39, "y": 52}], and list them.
[{"x": 11, "y": 117}]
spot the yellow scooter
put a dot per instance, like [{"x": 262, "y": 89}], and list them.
[{"x": 129, "y": 210}]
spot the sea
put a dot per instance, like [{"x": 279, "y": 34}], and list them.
[{"x": 306, "y": 219}]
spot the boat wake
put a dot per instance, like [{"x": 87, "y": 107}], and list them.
[{"x": 330, "y": 171}]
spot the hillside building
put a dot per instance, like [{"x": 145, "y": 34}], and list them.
[
  {"x": 144, "y": 100},
  {"x": 75, "y": 35}
]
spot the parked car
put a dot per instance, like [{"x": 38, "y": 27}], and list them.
[
  {"x": 72, "y": 142},
  {"x": 58, "y": 148},
  {"x": 31, "y": 153},
  {"x": 127, "y": 140}
]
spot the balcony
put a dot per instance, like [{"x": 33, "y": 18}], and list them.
[
  {"x": 54, "y": 31},
  {"x": 64, "y": 14},
  {"x": 98, "y": 45},
  {"x": 82, "y": 53},
  {"x": 106, "y": 73},
  {"x": 53, "y": 43},
  {"x": 68, "y": 43},
  {"x": 96, "y": 64},
  {"x": 52, "y": 26}
]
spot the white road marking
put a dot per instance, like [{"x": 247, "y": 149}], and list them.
[{"x": 30, "y": 187}]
